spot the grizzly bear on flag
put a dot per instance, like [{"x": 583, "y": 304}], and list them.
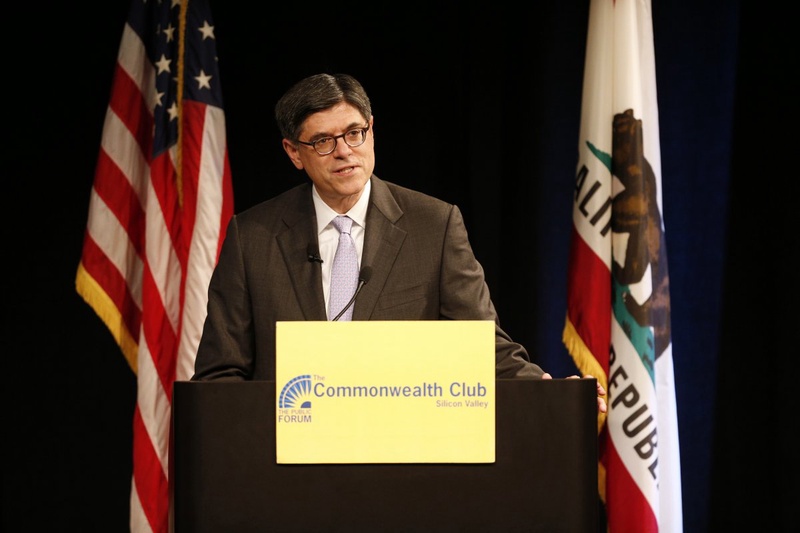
[{"x": 636, "y": 212}]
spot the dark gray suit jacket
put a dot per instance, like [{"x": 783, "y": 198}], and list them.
[{"x": 423, "y": 268}]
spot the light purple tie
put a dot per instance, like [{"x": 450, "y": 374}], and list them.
[{"x": 344, "y": 273}]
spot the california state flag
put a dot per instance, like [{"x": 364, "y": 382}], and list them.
[{"x": 618, "y": 308}]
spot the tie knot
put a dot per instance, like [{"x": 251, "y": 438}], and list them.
[{"x": 343, "y": 223}]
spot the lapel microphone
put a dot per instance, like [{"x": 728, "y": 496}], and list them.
[{"x": 313, "y": 254}]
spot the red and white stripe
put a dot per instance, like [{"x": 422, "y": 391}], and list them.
[{"x": 152, "y": 240}]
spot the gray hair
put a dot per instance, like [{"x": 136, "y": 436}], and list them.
[{"x": 318, "y": 93}]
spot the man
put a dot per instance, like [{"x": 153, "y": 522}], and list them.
[{"x": 276, "y": 261}]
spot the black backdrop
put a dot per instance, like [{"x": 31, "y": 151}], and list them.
[{"x": 497, "y": 90}]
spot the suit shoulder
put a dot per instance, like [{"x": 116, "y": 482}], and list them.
[{"x": 409, "y": 198}]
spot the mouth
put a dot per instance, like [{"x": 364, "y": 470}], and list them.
[{"x": 343, "y": 171}]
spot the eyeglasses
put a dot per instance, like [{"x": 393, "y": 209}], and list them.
[{"x": 326, "y": 145}]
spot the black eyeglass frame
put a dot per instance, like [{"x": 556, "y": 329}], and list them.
[{"x": 313, "y": 144}]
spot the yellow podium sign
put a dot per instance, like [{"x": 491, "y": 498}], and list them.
[{"x": 385, "y": 392}]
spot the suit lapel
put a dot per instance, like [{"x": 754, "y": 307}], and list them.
[
  {"x": 301, "y": 230},
  {"x": 382, "y": 243}
]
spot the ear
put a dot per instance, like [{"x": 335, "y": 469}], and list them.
[{"x": 292, "y": 150}]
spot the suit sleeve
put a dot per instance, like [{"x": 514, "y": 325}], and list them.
[
  {"x": 226, "y": 349},
  {"x": 465, "y": 296}
]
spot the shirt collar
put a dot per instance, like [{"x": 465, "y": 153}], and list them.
[{"x": 325, "y": 214}]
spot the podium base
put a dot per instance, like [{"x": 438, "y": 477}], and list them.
[{"x": 225, "y": 477}]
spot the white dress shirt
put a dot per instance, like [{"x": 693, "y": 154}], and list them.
[{"x": 328, "y": 235}]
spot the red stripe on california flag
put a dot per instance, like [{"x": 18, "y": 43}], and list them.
[
  {"x": 589, "y": 297},
  {"x": 635, "y": 515}
]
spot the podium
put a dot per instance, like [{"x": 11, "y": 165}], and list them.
[{"x": 226, "y": 479}]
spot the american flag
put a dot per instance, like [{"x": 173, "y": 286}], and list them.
[
  {"x": 160, "y": 202},
  {"x": 618, "y": 304}
]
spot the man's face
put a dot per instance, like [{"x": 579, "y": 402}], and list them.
[{"x": 340, "y": 176}]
